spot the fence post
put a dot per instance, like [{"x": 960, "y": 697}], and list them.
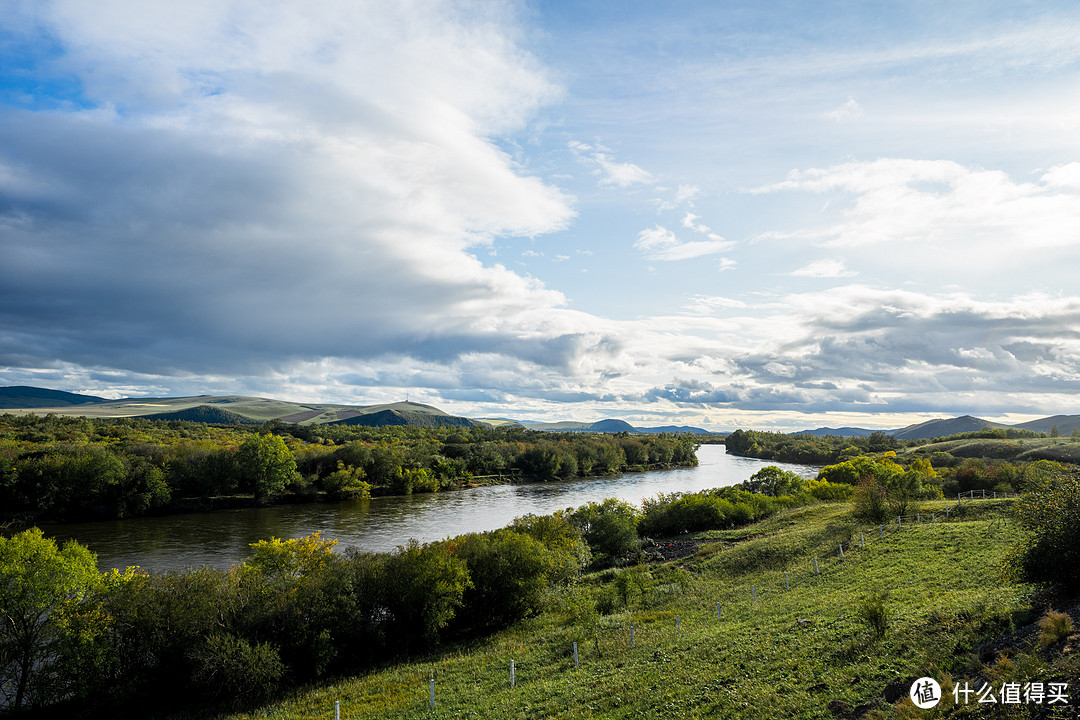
[
  {"x": 631, "y": 637},
  {"x": 787, "y": 580},
  {"x": 431, "y": 696},
  {"x": 881, "y": 529},
  {"x": 984, "y": 494},
  {"x": 841, "y": 551},
  {"x": 816, "y": 571},
  {"x": 753, "y": 591},
  {"x": 337, "y": 710},
  {"x": 862, "y": 540},
  {"x": 677, "y": 630},
  {"x": 575, "y": 655},
  {"x": 899, "y": 524},
  {"x": 719, "y": 614},
  {"x": 511, "y": 673}
]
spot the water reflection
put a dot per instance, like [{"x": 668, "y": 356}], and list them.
[{"x": 221, "y": 538}]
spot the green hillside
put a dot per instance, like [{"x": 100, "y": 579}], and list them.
[
  {"x": 789, "y": 642},
  {"x": 226, "y": 409}
]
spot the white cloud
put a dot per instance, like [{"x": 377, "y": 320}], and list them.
[
  {"x": 708, "y": 304},
  {"x": 1063, "y": 176},
  {"x": 245, "y": 150},
  {"x": 942, "y": 203},
  {"x": 690, "y": 220},
  {"x": 849, "y": 109},
  {"x": 659, "y": 243},
  {"x": 829, "y": 268},
  {"x": 687, "y": 194},
  {"x": 611, "y": 172}
]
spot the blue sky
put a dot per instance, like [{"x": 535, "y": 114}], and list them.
[{"x": 740, "y": 214}]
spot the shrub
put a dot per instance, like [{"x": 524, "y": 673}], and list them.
[
  {"x": 610, "y": 527},
  {"x": 870, "y": 502},
  {"x": 510, "y": 572},
  {"x": 873, "y": 610},
  {"x": 228, "y": 666},
  {"x": 826, "y": 491},
  {"x": 1049, "y": 553},
  {"x": 1054, "y": 627},
  {"x": 772, "y": 480}
]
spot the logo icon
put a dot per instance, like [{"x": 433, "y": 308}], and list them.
[{"x": 925, "y": 693}]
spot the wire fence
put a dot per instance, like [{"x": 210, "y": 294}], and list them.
[{"x": 629, "y": 634}]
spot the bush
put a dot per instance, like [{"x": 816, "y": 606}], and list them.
[
  {"x": 774, "y": 481},
  {"x": 1054, "y": 627},
  {"x": 870, "y": 502},
  {"x": 610, "y": 527},
  {"x": 669, "y": 515},
  {"x": 510, "y": 573},
  {"x": 1050, "y": 553},
  {"x": 228, "y": 666},
  {"x": 873, "y": 610}
]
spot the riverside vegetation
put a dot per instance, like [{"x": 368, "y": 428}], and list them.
[
  {"x": 67, "y": 468},
  {"x": 300, "y": 627}
]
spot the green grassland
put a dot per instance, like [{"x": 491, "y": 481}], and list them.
[
  {"x": 1059, "y": 449},
  {"x": 803, "y": 651}
]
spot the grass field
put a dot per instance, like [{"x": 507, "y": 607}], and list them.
[
  {"x": 1060, "y": 449},
  {"x": 801, "y": 651}
]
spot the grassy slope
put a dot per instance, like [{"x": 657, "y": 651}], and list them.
[
  {"x": 759, "y": 661},
  {"x": 253, "y": 408},
  {"x": 1062, "y": 449}
]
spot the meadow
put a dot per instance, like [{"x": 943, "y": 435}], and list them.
[{"x": 745, "y": 628}]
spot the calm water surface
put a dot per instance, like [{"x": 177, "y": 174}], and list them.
[{"x": 220, "y": 539}]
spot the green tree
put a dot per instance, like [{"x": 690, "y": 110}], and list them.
[
  {"x": 40, "y": 586},
  {"x": 610, "y": 527},
  {"x": 347, "y": 482},
  {"x": 774, "y": 481},
  {"x": 268, "y": 465},
  {"x": 1049, "y": 553}
]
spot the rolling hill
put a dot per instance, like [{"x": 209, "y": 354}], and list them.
[
  {"x": 228, "y": 409},
  {"x": 22, "y": 396}
]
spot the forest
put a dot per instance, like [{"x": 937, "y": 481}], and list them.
[{"x": 68, "y": 468}]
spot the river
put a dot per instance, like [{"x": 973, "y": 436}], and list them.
[{"x": 220, "y": 539}]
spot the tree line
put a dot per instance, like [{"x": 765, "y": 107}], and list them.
[{"x": 72, "y": 468}]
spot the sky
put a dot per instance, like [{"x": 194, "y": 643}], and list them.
[{"x": 777, "y": 215}]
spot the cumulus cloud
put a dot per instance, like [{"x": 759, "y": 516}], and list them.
[{"x": 245, "y": 185}]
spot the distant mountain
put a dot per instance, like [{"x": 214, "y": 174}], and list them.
[
  {"x": 611, "y": 426},
  {"x": 383, "y": 418},
  {"x": 842, "y": 432},
  {"x": 227, "y": 409},
  {"x": 23, "y": 396},
  {"x": 940, "y": 427},
  {"x": 943, "y": 427},
  {"x": 1065, "y": 424},
  {"x": 605, "y": 426},
  {"x": 205, "y": 414},
  {"x": 673, "y": 429}
]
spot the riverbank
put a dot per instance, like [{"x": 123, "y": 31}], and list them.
[
  {"x": 221, "y": 538},
  {"x": 744, "y": 628}
]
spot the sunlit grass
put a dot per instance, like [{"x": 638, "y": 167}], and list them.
[{"x": 787, "y": 654}]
